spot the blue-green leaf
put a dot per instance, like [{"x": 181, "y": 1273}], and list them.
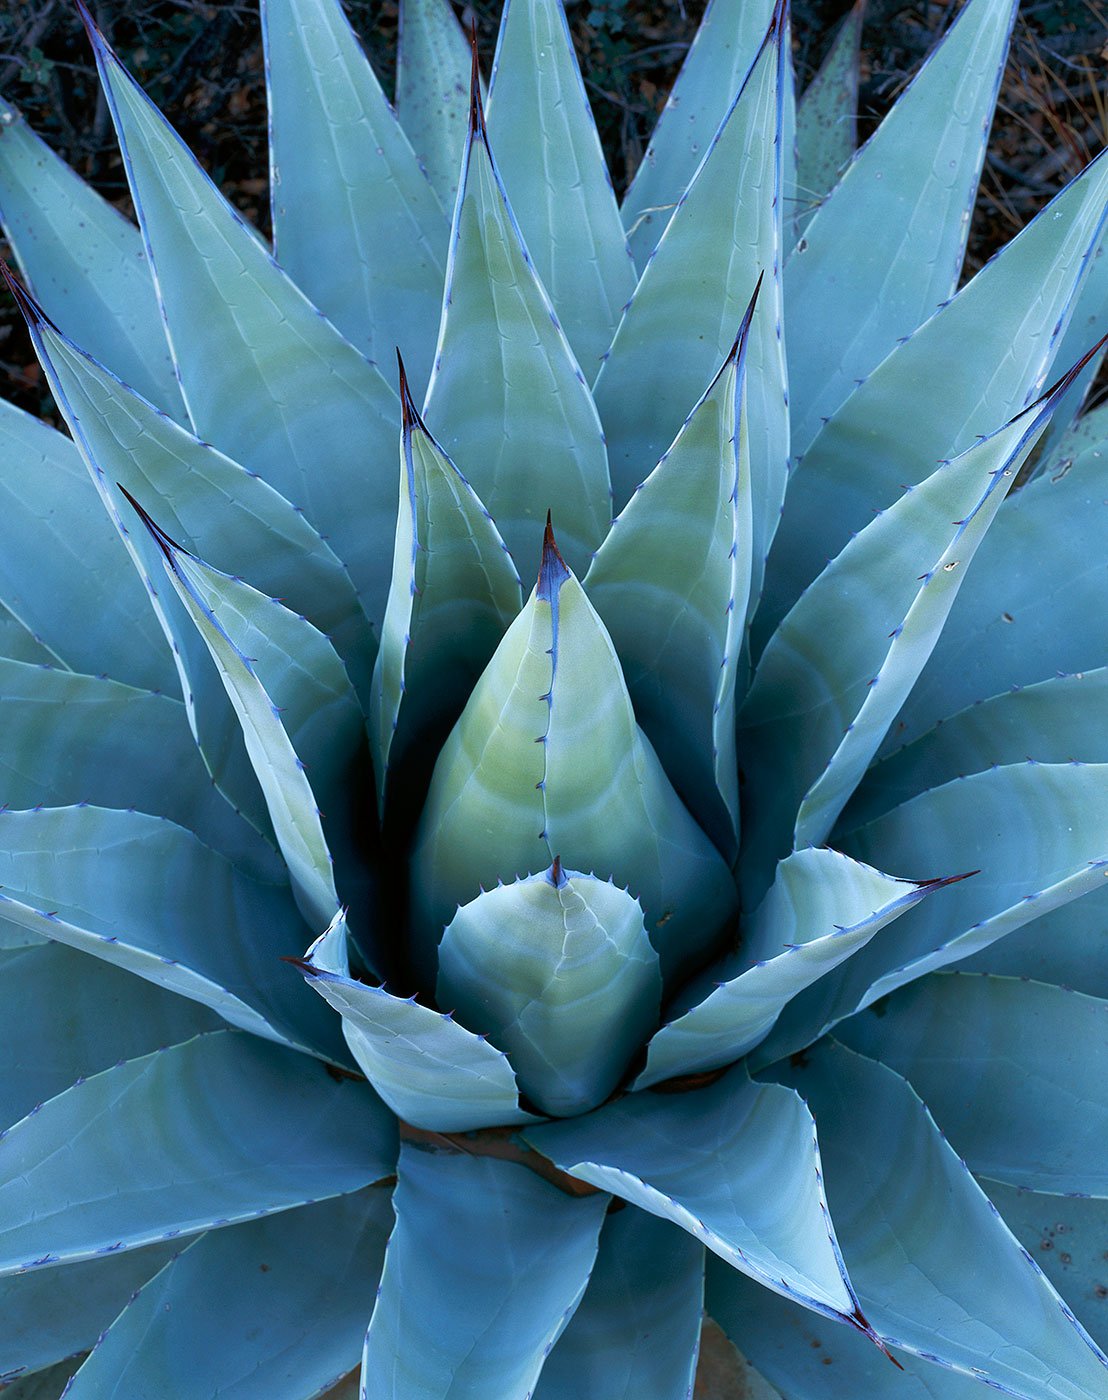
[
  {"x": 821, "y": 909},
  {"x": 806, "y": 1355},
  {"x": 825, "y": 694},
  {"x": 681, "y": 322},
  {"x": 18, "y": 643},
  {"x": 1038, "y": 837},
  {"x": 672, "y": 583},
  {"x": 1060, "y": 720},
  {"x": 97, "y": 880},
  {"x": 928, "y": 400},
  {"x": 355, "y": 222},
  {"x": 483, "y": 1270},
  {"x": 636, "y": 1332},
  {"x": 298, "y": 713},
  {"x": 1087, "y": 326},
  {"x": 272, "y": 1307},
  {"x": 547, "y": 760},
  {"x": 84, "y": 262},
  {"x": 722, "y": 53},
  {"x": 225, "y": 512},
  {"x": 454, "y": 591},
  {"x": 1066, "y": 1239},
  {"x": 1067, "y": 948},
  {"x": 264, "y": 375},
  {"x": 220, "y": 1129},
  {"x": 69, "y": 739},
  {"x": 66, "y": 1015},
  {"x": 558, "y": 971},
  {"x": 1036, "y": 606},
  {"x": 426, "y": 1066},
  {"x": 507, "y": 400},
  {"x": 901, "y": 209},
  {"x": 752, "y": 1192},
  {"x": 62, "y": 571},
  {"x": 566, "y": 208},
  {"x": 1015, "y": 1072},
  {"x": 52, "y": 1314},
  {"x": 826, "y": 121},
  {"x": 898, "y": 1191},
  {"x": 432, "y": 90}
]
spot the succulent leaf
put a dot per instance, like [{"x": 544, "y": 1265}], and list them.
[
  {"x": 1017, "y": 625},
  {"x": 180, "y": 1141},
  {"x": 483, "y": 1270},
  {"x": 824, "y": 697},
  {"x": 69, "y": 739},
  {"x": 1060, "y": 720},
  {"x": 1067, "y": 948},
  {"x": 1066, "y": 1238},
  {"x": 826, "y": 121},
  {"x": 680, "y": 324},
  {"x": 65, "y": 1015},
  {"x": 1016, "y": 1072},
  {"x": 717, "y": 64},
  {"x": 1087, "y": 325},
  {"x": 432, "y": 90},
  {"x": 805, "y": 1354},
  {"x": 636, "y": 1332},
  {"x": 19, "y": 643},
  {"x": 821, "y": 909},
  {"x": 67, "y": 874},
  {"x": 753, "y": 1194},
  {"x": 672, "y": 583},
  {"x": 503, "y": 358},
  {"x": 565, "y": 203},
  {"x": 84, "y": 261},
  {"x": 547, "y": 760},
  {"x": 52, "y": 1314},
  {"x": 558, "y": 971},
  {"x": 62, "y": 572},
  {"x": 1038, "y": 835},
  {"x": 896, "y": 1190},
  {"x": 225, "y": 511},
  {"x": 288, "y": 1310},
  {"x": 901, "y": 208},
  {"x": 889, "y": 433},
  {"x": 226, "y": 303},
  {"x": 454, "y": 592},
  {"x": 355, "y": 222},
  {"x": 292, "y": 697},
  {"x": 425, "y": 1065}
]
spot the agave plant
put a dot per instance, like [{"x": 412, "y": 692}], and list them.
[{"x": 641, "y": 952}]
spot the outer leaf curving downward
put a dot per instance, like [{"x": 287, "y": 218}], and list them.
[
  {"x": 753, "y": 1192},
  {"x": 220, "y": 1129},
  {"x": 558, "y": 970},
  {"x": 547, "y": 760},
  {"x": 483, "y": 1270},
  {"x": 1015, "y": 1072},
  {"x": 898, "y": 1191},
  {"x": 270, "y": 1307}
]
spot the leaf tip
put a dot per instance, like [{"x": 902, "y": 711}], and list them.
[{"x": 553, "y": 570}]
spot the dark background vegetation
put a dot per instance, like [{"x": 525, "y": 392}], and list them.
[{"x": 201, "y": 61}]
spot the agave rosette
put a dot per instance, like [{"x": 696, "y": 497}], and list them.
[{"x": 638, "y": 933}]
